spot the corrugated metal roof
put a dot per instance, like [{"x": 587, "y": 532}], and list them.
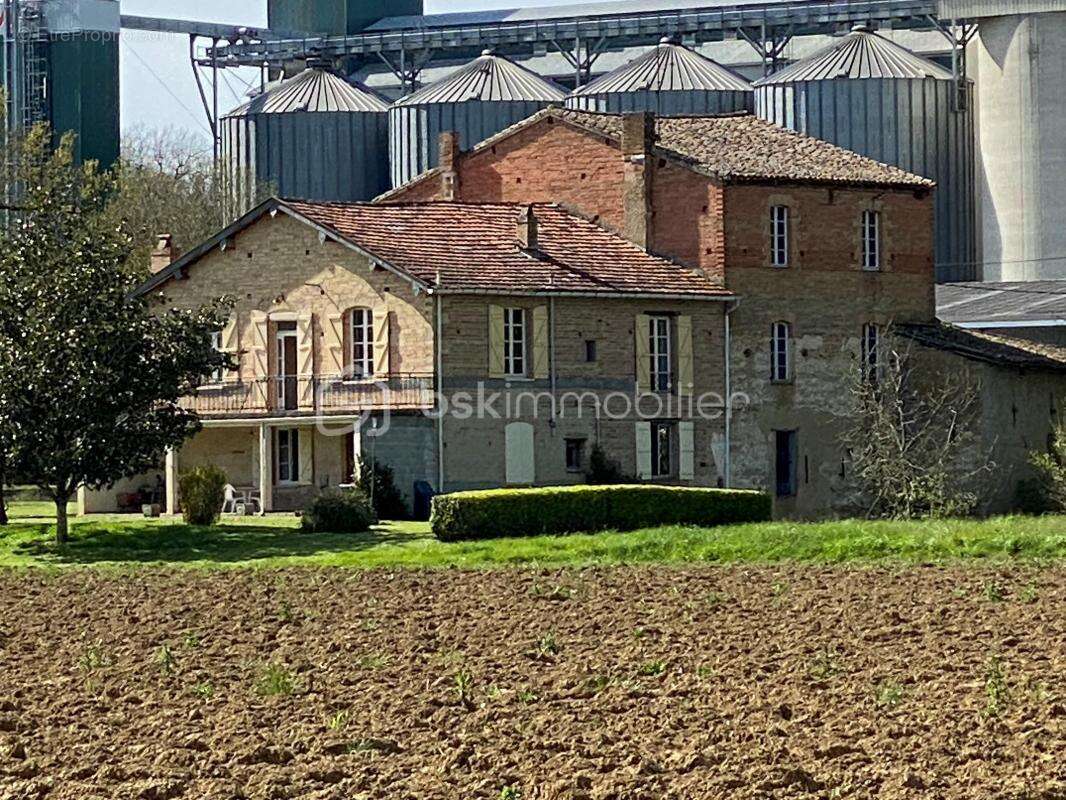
[
  {"x": 862, "y": 54},
  {"x": 670, "y": 67},
  {"x": 998, "y": 304},
  {"x": 314, "y": 90},
  {"x": 961, "y": 9},
  {"x": 490, "y": 77}
]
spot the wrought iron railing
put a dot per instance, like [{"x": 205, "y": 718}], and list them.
[{"x": 302, "y": 396}]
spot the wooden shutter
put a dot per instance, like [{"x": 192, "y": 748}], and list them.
[
  {"x": 307, "y": 456},
  {"x": 643, "y": 433},
  {"x": 231, "y": 345},
  {"x": 686, "y": 435},
  {"x": 305, "y": 360},
  {"x": 540, "y": 342},
  {"x": 381, "y": 343},
  {"x": 643, "y": 353},
  {"x": 333, "y": 346},
  {"x": 685, "y": 372},
  {"x": 519, "y": 454},
  {"x": 496, "y": 365},
  {"x": 260, "y": 358}
]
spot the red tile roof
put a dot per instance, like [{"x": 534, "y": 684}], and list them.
[{"x": 474, "y": 247}]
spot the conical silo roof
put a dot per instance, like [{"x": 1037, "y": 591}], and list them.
[
  {"x": 315, "y": 90},
  {"x": 669, "y": 67},
  {"x": 490, "y": 78},
  {"x": 860, "y": 55}
]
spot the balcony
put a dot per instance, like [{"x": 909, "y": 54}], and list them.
[{"x": 311, "y": 396}]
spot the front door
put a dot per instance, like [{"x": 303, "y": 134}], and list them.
[{"x": 287, "y": 371}]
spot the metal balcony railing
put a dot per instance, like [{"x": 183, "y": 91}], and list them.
[{"x": 306, "y": 396}]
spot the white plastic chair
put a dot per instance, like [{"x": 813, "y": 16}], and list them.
[{"x": 229, "y": 503}]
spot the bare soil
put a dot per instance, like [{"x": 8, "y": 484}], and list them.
[{"x": 791, "y": 682}]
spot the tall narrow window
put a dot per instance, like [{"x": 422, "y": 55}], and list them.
[
  {"x": 781, "y": 352},
  {"x": 514, "y": 342},
  {"x": 662, "y": 462},
  {"x": 659, "y": 351},
  {"x": 779, "y": 236},
  {"x": 871, "y": 240},
  {"x": 288, "y": 455},
  {"x": 871, "y": 346},
  {"x": 362, "y": 343}
]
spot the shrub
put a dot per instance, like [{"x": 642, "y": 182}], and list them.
[
  {"x": 203, "y": 491},
  {"x": 1047, "y": 492},
  {"x": 575, "y": 509},
  {"x": 346, "y": 511},
  {"x": 603, "y": 471},
  {"x": 377, "y": 481}
]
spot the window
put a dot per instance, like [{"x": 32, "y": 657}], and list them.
[
  {"x": 871, "y": 345},
  {"x": 659, "y": 350},
  {"x": 216, "y": 345},
  {"x": 288, "y": 455},
  {"x": 575, "y": 455},
  {"x": 661, "y": 457},
  {"x": 779, "y": 236},
  {"x": 514, "y": 341},
  {"x": 871, "y": 240},
  {"x": 785, "y": 463},
  {"x": 362, "y": 327},
  {"x": 590, "y": 350},
  {"x": 781, "y": 352}
]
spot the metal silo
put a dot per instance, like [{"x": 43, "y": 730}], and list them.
[
  {"x": 874, "y": 97},
  {"x": 477, "y": 101},
  {"x": 670, "y": 80},
  {"x": 316, "y": 136}
]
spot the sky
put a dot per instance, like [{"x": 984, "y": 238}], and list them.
[{"x": 158, "y": 88}]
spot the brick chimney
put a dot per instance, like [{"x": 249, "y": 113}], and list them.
[
  {"x": 164, "y": 254},
  {"x": 527, "y": 229},
  {"x": 638, "y": 143},
  {"x": 449, "y": 165}
]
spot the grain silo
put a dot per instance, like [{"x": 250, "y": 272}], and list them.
[
  {"x": 870, "y": 95},
  {"x": 477, "y": 101},
  {"x": 670, "y": 80},
  {"x": 316, "y": 136}
]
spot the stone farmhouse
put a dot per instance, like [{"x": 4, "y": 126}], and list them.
[{"x": 691, "y": 295}]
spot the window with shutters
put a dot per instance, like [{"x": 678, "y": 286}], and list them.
[
  {"x": 659, "y": 353},
  {"x": 871, "y": 345},
  {"x": 217, "y": 346},
  {"x": 779, "y": 236},
  {"x": 662, "y": 461},
  {"x": 362, "y": 337},
  {"x": 871, "y": 240},
  {"x": 514, "y": 342},
  {"x": 781, "y": 352}
]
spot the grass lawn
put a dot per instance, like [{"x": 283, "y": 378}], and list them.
[{"x": 276, "y": 541}]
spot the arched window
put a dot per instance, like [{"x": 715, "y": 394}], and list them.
[
  {"x": 871, "y": 351},
  {"x": 781, "y": 352},
  {"x": 361, "y": 326}
]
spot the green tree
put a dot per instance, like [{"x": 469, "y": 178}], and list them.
[{"x": 90, "y": 374}]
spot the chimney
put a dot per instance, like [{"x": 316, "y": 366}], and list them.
[
  {"x": 638, "y": 143},
  {"x": 164, "y": 254},
  {"x": 449, "y": 165},
  {"x": 527, "y": 229}
]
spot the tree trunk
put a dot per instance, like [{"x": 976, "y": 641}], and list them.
[
  {"x": 3, "y": 502},
  {"x": 62, "y": 526}
]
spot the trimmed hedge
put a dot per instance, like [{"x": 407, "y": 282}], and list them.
[{"x": 579, "y": 509}]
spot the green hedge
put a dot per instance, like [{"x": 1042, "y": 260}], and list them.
[{"x": 575, "y": 509}]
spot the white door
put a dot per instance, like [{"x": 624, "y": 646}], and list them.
[{"x": 521, "y": 462}]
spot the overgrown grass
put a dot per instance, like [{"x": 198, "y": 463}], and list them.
[{"x": 277, "y": 542}]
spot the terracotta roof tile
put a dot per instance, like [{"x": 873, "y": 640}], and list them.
[
  {"x": 999, "y": 350},
  {"x": 474, "y": 247}
]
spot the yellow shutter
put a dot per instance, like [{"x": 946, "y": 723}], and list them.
[
  {"x": 496, "y": 365},
  {"x": 259, "y": 355},
  {"x": 307, "y": 456},
  {"x": 333, "y": 346},
  {"x": 231, "y": 345},
  {"x": 540, "y": 342},
  {"x": 642, "y": 335},
  {"x": 643, "y": 434},
  {"x": 685, "y": 372},
  {"x": 381, "y": 343},
  {"x": 686, "y": 435},
  {"x": 305, "y": 360}
]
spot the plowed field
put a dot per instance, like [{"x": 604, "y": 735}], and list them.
[{"x": 793, "y": 682}]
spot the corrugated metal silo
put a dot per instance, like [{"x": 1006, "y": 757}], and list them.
[
  {"x": 316, "y": 136},
  {"x": 872, "y": 96},
  {"x": 477, "y": 101},
  {"x": 670, "y": 80}
]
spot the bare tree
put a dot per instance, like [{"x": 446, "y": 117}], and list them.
[{"x": 914, "y": 442}]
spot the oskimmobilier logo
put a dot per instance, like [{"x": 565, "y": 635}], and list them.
[{"x": 511, "y": 403}]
